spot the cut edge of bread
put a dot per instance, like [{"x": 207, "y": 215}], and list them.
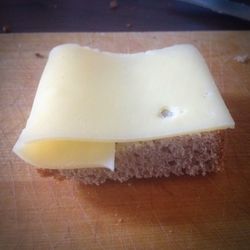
[{"x": 196, "y": 154}]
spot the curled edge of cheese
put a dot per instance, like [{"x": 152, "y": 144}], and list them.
[{"x": 88, "y": 100}]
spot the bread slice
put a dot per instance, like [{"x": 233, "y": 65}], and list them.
[{"x": 194, "y": 154}]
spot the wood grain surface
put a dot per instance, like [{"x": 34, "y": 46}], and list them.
[{"x": 211, "y": 212}]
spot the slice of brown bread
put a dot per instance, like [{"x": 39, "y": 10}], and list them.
[{"x": 194, "y": 154}]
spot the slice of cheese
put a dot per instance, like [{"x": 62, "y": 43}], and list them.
[
  {"x": 87, "y": 100},
  {"x": 68, "y": 154}
]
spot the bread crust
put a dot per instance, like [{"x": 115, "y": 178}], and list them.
[{"x": 196, "y": 154}]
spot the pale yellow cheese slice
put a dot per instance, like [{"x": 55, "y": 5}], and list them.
[{"x": 87, "y": 100}]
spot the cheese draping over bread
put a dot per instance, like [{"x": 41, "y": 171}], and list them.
[{"x": 88, "y": 100}]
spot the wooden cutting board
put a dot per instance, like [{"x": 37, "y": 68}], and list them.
[{"x": 210, "y": 212}]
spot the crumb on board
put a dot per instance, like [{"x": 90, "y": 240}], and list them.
[
  {"x": 39, "y": 55},
  {"x": 120, "y": 220},
  {"x": 6, "y": 29},
  {"x": 113, "y": 4},
  {"x": 242, "y": 58}
]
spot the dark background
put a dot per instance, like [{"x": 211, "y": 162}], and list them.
[{"x": 96, "y": 15}]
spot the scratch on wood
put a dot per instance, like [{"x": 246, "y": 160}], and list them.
[
  {"x": 34, "y": 195},
  {"x": 19, "y": 243},
  {"x": 163, "y": 229},
  {"x": 66, "y": 220},
  {"x": 13, "y": 186},
  {"x": 209, "y": 51},
  {"x": 85, "y": 217},
  {"x": 128, "y": 45},
  {"x": 132, "y": 244}
]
